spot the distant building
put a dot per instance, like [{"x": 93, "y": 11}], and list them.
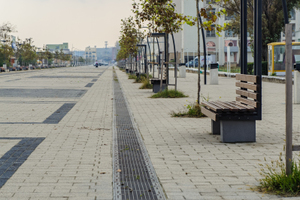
[
  {"x": 79, "y": 54},
  {"x": 91, "y": 54},
  {"x": 295, "y": 14},
  {"x": 54, "y": 47},
  {"x": 186, "y": 39},
  {"x": 106, "y": 54}
]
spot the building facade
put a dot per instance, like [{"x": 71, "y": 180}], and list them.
[
  {"x": 106, "y": 54},
  {"x": 186, "y": 40},
  {"x": 295, "y": 14},
  {"x": 54, "y": 47},
  {"x": 91, "y": 54}
]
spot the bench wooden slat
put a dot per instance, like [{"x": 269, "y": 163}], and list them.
[
  {"x": 223, "y": 108},
  {"x": 248, "y": 78},
  {"x": 246, "y": 85},
  {"x": 246, "y": 93},
  {"x": 231, "y": 107},
  {"x": 247, "y": 101},
  {"x": 233, "y": 104},
  {"x": 209, "y": 113},
  {"x": 211, "y": 106},
  {"x": 249, "y": 108}
]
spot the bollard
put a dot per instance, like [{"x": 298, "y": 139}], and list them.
[
  {"x": 182, "y": 71},
  {"x": 296, "y": 87},
  {"x": 214, "y": 79}
]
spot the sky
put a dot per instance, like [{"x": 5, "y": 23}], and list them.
[{"x": 80, "y": 23}]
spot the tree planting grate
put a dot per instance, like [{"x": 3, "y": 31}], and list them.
[
  {"x": 89, "y": 85},
  {"x": 134, "y": 175}
]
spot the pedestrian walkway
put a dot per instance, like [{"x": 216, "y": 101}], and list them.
[
  {"x": 74, "y": 159},
  {"x": 59, "y": 127},
  {"x": 190, "y": 162}
]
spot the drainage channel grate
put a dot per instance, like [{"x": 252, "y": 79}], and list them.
[
  {"x": 134, "y": 175},
  {"x": 59, "y": 114}
]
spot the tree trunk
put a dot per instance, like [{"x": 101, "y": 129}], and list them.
[{"x": 198, "y": 35}]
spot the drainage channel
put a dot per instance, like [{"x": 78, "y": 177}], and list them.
[{"x": 134, "y": 175}]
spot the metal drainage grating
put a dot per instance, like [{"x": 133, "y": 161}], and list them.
[
  {"x": 134, "y": 175},
  {"x": 59, "y": 114},
  {"x": 89, "y": 85},
  {"x": 94, "y": 80}
]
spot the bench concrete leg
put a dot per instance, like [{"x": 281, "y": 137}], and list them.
[
  {"x": 156, "y": 87},
  {"x": 215, "y": 127},
  {"x": 238, "y": 131}
]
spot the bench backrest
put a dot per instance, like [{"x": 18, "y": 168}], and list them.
[{"x": 248, "y": 90}]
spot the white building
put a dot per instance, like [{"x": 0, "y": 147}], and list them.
[
  {"x": 186, "y": 40},
  {"x": 295, "y": 14},
  {"x": 91, "y": 53}
]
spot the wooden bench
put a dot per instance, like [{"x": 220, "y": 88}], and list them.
[{"x": 235, "y": 120}]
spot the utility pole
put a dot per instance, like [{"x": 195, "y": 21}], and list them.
[{"x": 288, "y": 92}]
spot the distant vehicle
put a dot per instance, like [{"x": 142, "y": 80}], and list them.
[
  {"x": 103, "y": 63},
  {"x": 191, "y": 63},
  {"x": 209, "y": 59}
]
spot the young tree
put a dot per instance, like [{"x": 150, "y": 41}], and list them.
[
  {"x": 272, "y": 19},
  {"x": 28, "y": 52},
  {"x": 41, "y": 56},
  {"x": 5, "y": 30},
  {"x": 130, "y": 37},
  {"x": 81, "y": 59},
  {"x": 56, "y": 55},
  {"x": 161, "y": 17},
  {"x": 48, "y": 56},
  {"x": 61, "y": 56},
  {"x": 66, "y": 57},
  {"x": 6, "y": 51}
]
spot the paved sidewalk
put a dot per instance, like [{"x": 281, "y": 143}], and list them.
[
  {"x": 190, "y": 162},
  {"x": 74, "y": 160}
]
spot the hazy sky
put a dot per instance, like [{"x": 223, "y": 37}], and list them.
[{"x": 81, "y": 23}]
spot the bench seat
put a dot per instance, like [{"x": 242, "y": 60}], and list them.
[{"x": 235, "y": 120}]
